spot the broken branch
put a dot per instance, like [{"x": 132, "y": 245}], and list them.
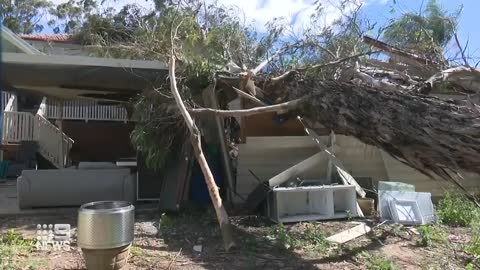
[
  {"x": 202, "y": 161},
  {"x": 249, "y": 97},
  {"x": 286, "y": 106}
]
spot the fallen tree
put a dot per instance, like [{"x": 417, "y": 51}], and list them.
[{"x": 428, "y": 133}]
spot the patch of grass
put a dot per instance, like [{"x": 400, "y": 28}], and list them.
[
  {"x": 375, "y": 262},
  {"x": 11, "y": 245},
  {"x": 430, "y": 234},
  {"x": 315, "y": 238},
  {"x": 166, "y": 223},
  {"x": 136, "y": 251},
  {"x": 311, "y": 238},
  {"x": 6, "y": 257},
  {"x": 457, "y": 210},
  {"x": 284, "y": 237},
  {"x": 34, "y": 263},
  {"x": 473, "y": 247}
]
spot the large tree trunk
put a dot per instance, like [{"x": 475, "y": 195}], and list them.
[{"x": 427, "y": 133}]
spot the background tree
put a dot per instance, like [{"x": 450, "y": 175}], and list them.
[
  {"x": 429, "y": 30},
  {"x": 24, "y": 16}
]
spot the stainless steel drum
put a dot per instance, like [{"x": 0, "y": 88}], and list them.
[{"x": 105, "y": 225}]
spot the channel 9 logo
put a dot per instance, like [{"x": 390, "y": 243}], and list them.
[{"x": 53, "y": 237}]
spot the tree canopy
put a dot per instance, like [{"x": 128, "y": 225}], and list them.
[
  {"x": 430, "y": 29},
  {"x": 24, "y": 16}
]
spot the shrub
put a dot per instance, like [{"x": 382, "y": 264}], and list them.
[
  {"x": 430, "y": 234},
  {"x": 455, "y": 209},
  {"x": 284, "y": 237},
  {"x": 315, "y": 238},
  {"x": 310, "y": 238},
  {"x": 375, "y": 262},
  {"x": 473, "y": 246}
]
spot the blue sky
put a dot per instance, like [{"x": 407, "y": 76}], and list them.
[{"x": 468, "y": 28}]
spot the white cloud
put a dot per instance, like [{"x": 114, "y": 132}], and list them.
[{"x": 296, "y": 12}]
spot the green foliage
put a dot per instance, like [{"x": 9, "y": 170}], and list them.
[
  {"x": 429, "y": 234},
  {"x": 375, "y": 262},
  {"x": 429, "y": 30},
  {"x": 13, "y": 238},
  {"x": 473, "y": 246},
  {"x": 23, "y": 16},
  {"x": 136, "y": 251},
  {"x": 159, "y": 129},
  {"x": 71, "y": 14},
  {"x": 284, "y": 237},
  {"x": 310, "y": 238},
  {"x": 457, "y": 210},
  {"x": 166, "y": 223},
  {"x": 12, "y": 244}
]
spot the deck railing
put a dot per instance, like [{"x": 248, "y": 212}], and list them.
[
  {"x": 53, "y": 144},
  {"x": 17, "y": 127},
  {"x": 84, "y": 110}
]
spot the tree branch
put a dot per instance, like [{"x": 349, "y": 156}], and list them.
[
  {"x": 286, "y": 106},
  {"x": 462, "y": 51},
  {"x": 195, "y": 139},
  {"x": 249, "y": 97}
]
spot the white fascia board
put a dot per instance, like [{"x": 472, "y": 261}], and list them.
[
  {"x": 17, "y": 42},
  {"x": 19, "y": 58}
]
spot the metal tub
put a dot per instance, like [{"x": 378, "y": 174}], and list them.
[{"x": 105, "y": 225}]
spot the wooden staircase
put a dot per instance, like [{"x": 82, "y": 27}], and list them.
[{"x": 53, "y": 144}]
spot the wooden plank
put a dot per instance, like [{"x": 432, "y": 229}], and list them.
[
  {"x": 316, "y": 161},
  {"x": 350, "y": 234},
  {"x": 347, "y": 179},
  {"x": 279, "y": 142}
]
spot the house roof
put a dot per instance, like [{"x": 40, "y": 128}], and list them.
[
  {"x": 26, "y": 69},
  {"x": 61, "y": 38},
  {"x": 71, "y": 77}
]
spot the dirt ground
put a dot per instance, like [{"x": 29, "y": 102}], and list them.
[{"x": 167, "y": 242}]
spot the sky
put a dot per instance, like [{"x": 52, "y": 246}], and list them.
[{"x": 297, "y": 13}]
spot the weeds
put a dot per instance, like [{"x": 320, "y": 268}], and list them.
[
  {"x": 166, "y": 223},
  {"x": 430, "y": 234},
  {"x": 12, "y": 244},
  {"x": 473, "y": 246},
  {"x": 136, "y": 251},
  {"x": 311, "y": 238},
  {"x": 456, "y": 210},
  {"x": 6, "y": 257},
  {"x": 284, "y": 237},
  {"x": 316, "y": 239},
  {"x": 375, "y": 262}
]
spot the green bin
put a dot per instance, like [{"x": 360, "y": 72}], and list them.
[{"x": 3, "y": 170}]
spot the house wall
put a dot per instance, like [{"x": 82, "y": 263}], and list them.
[
  {"x": 59, "y": 48},
  {"x": 99, "y": 141},
  {"x": 398, "y": 171},
  {"x": 269, "y": 156}
]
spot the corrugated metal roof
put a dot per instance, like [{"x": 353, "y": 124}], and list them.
[{"x": 64, "y": 38}]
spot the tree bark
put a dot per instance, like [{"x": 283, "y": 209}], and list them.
[
  {"x": 432, "y": 135},
  {"x": 427, "y": 133},
  {"x": 196, "y": 143}
]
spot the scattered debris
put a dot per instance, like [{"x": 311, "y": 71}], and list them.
[
  {"x": 350, "y": 234},
  {"x": 198, "y": 248},
  {"x": 295, "y": 204},
  {"x": 399, "y": 202}
]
